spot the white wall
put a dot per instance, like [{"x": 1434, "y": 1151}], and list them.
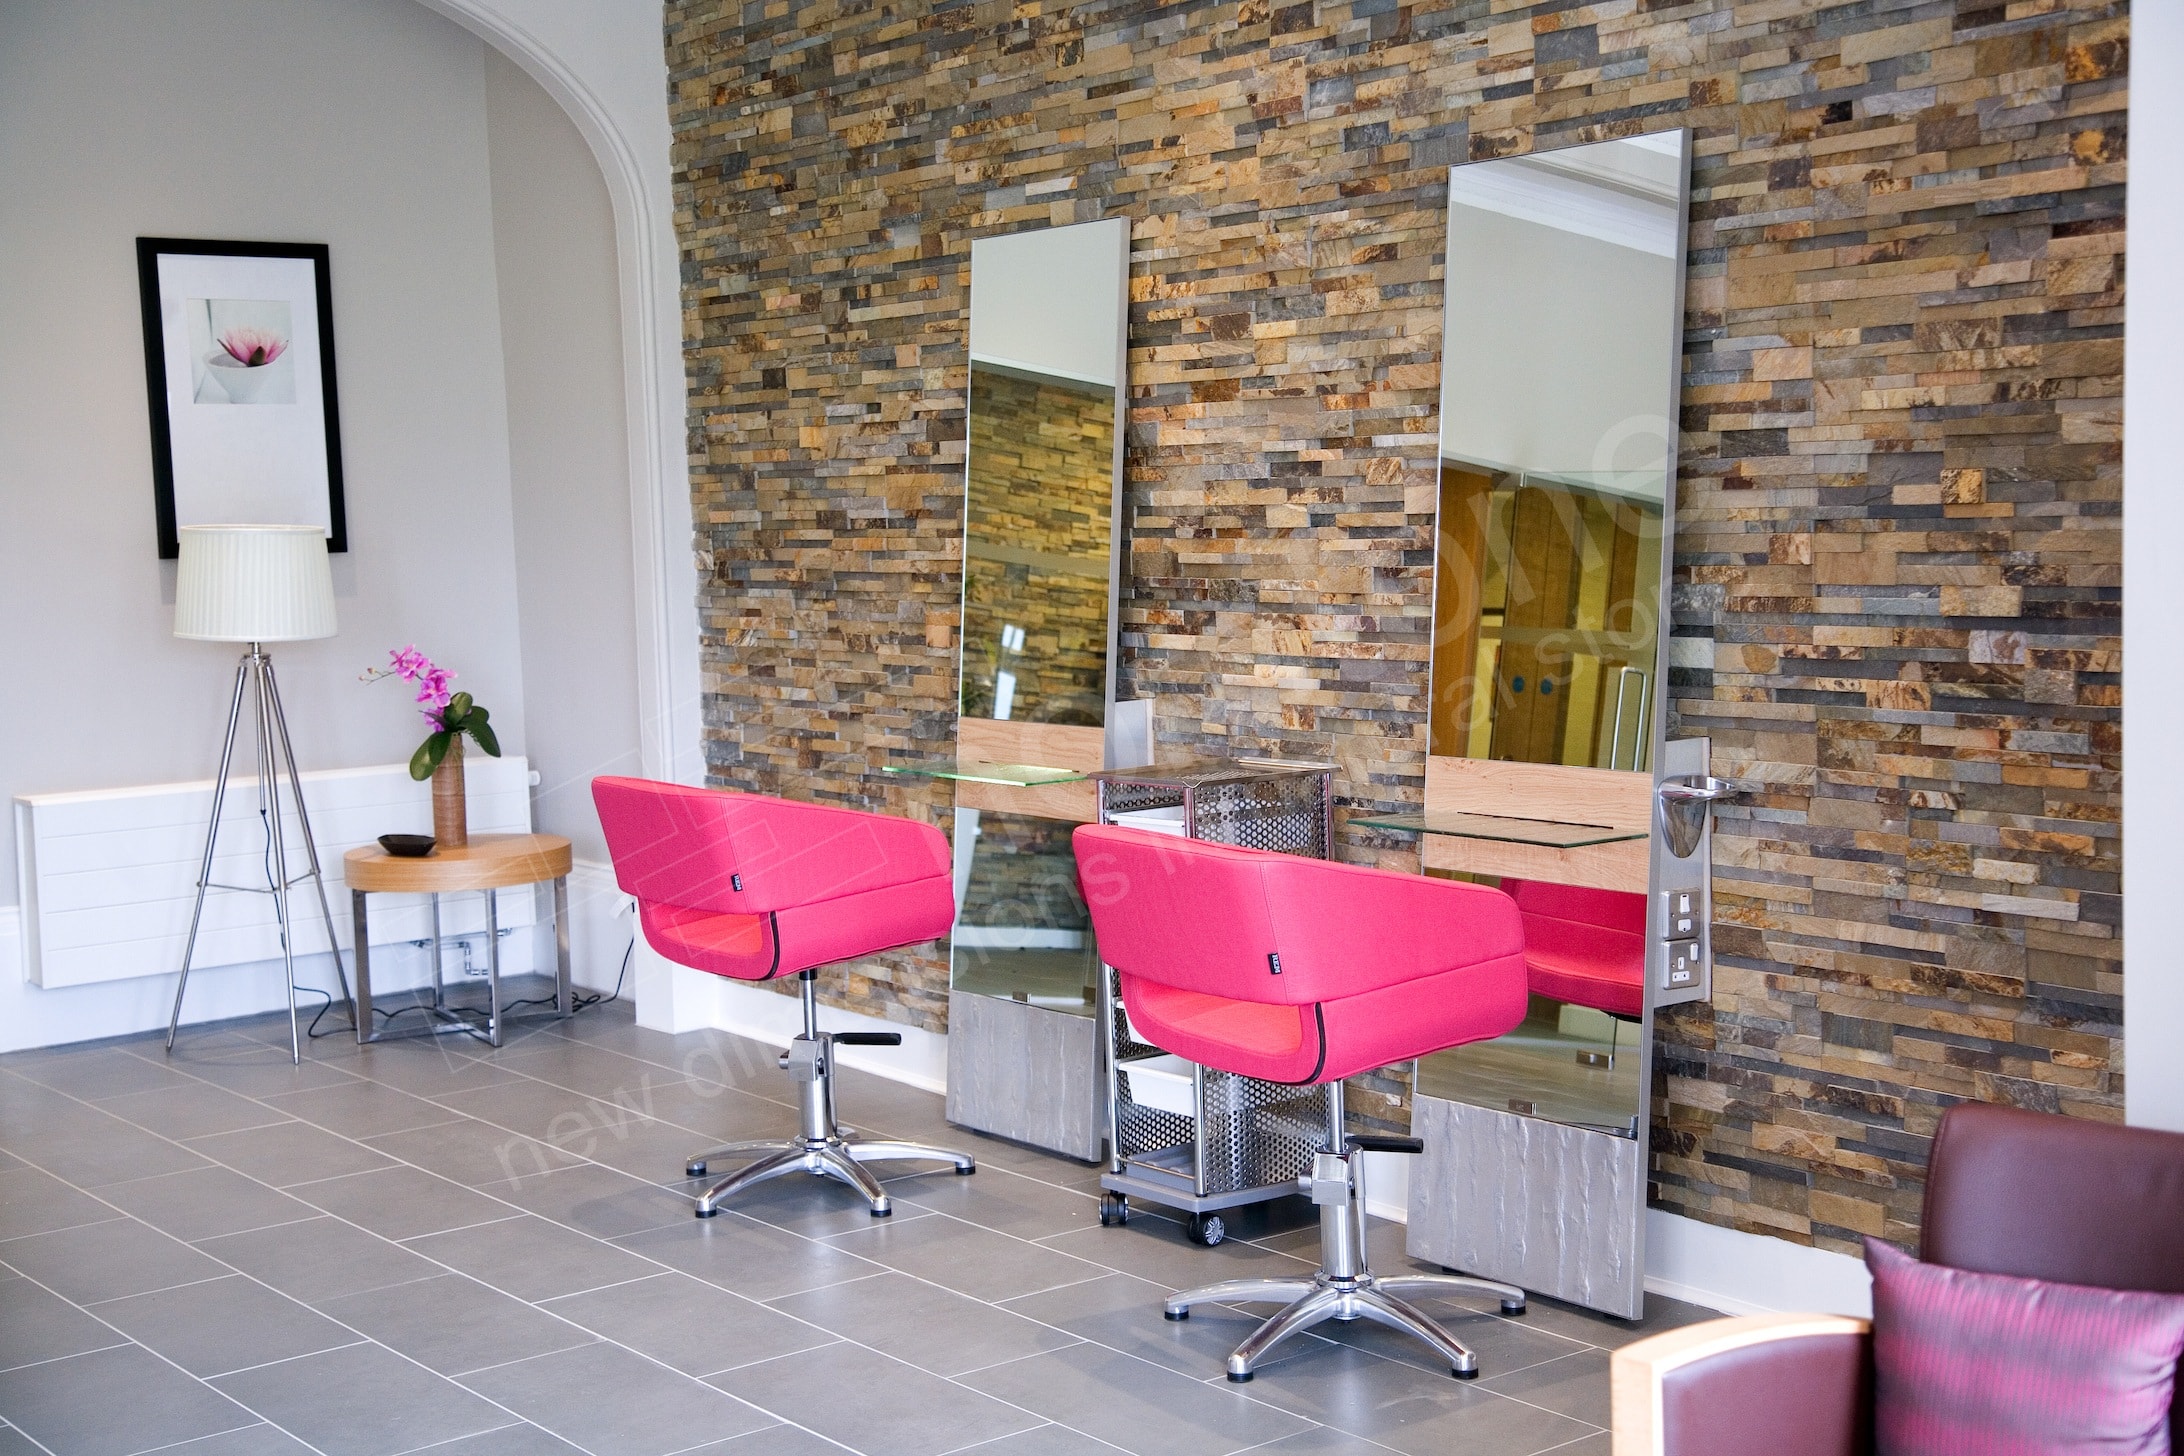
[
  {"x": 604, "y": 62},
  {"x": 2153, "y": 577},
  {"x": 488, "y": 448},
  {"x": 357, "y": 123},
  {"x": 561, "y": 337}
]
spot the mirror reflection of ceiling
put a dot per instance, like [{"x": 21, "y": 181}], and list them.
[
  {"x": 1038, "y": 303},
  {"x": 1561, "y": 274}
]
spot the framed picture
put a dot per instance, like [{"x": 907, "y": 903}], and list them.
[{"x": 239, "y": 373}]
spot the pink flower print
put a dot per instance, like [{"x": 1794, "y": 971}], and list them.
[{"x": 253, "y": 347}]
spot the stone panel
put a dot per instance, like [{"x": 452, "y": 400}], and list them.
[{"x": 1897, "y": 567}]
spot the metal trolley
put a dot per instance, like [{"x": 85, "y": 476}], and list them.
[{"x": 1179, "y": 1134}]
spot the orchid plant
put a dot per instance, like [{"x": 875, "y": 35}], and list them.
[
  {"x": 254, "y": 347},
  {"x": 451, "y": 714}
]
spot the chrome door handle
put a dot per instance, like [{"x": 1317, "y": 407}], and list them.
[{"x": 1685, "y": 804}]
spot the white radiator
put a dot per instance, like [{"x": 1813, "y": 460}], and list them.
[{"x": 108, "y": 876}]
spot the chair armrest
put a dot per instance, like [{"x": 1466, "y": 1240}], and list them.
[{"x": 1783, "y": 1384}]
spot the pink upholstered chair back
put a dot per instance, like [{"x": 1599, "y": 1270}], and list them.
[
  {"x": 1296, "y": 970},
  {"x": 1208, "y": 917},
  {"x": 746, "y": 854}
]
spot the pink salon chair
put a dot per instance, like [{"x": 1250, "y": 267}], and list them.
[
  {"x": 1586, "y": 947},
  {"x": 1298, "y": 970},
  {"x": 751, "y": 887}
]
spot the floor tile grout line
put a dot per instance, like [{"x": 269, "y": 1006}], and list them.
[
  {"x": 286, "y": 1359},
  {"x": 1127, "y": 1355},
  {"x": 72, "y": 1354},
  {"x": 164, "y": 1288},
  {"x": 65, "y": 1228},
  {"x": 1058, "y": 1425},
  {"x": 1074, "y": 1341},
  {"x": 208, "y": 1436},
  {"x": 473, "y": 1435},
  {"x": 580, "y": 1293}
]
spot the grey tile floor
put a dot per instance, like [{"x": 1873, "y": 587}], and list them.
[{"x": 432, "y": 1245}]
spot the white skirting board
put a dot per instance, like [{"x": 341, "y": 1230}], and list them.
[{"x": 1741, "y": 1273}]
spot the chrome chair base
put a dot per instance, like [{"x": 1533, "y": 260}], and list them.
[
  {"x": 822, "y": 1147},
  {"x": 1366, "y": 1296},
  {"x": 1344, "y": 1288},
  {"x": 834, "y": 1156}
]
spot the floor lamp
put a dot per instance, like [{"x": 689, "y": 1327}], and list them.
[{"x": 258, "y": 584}]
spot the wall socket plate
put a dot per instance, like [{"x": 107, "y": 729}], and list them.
[{"x": 1680, "y": 952}]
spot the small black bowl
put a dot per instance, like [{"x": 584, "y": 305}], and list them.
[{"x": 406, "y": 846}]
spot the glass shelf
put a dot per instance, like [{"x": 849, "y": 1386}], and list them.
[
  {"x": 1013, "y": 775},
  {"x": 1548, "y": 833}
]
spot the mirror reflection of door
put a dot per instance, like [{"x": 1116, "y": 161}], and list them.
[
  {"x": 1560, "y": 355},
  {"x": 1546, "y": 620}
]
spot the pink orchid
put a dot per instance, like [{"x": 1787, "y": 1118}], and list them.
[
  {"x": 432, "y": 687},
  {"x": 409, "y": 662},
  {"x": 253, "y": 347}
]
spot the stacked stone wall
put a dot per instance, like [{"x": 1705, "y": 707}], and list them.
[{"x": 1897, "y": 552}]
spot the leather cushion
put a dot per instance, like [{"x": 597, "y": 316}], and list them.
[{"x": 1968, "y": 1362}]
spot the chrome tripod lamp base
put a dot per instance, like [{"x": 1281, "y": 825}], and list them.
[{"x": 259, "y": 584}]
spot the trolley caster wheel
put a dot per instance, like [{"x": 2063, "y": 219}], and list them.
[
  {"x": 693, "y": 1170},
  {"x": 1205, "y": 1228},
  {"x": 1114, "y": 1209}
]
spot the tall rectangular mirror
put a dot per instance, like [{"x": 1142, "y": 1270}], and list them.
[
  {"x": 1036, "y": 701},
  {"x": 1557, "y": 434}
]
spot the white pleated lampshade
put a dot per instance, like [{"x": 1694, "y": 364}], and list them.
[{"x": 253, "y": 584}]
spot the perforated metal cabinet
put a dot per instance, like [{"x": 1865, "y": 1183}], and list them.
[{"x": 1242, "y": 1140}]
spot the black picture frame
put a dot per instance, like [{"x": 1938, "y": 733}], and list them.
[{"x": 149, "y": 252}]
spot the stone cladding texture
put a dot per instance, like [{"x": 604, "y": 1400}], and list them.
[{"x": 1897, "y": 554}]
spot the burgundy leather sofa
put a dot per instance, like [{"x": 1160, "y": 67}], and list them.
[{"x": 2008, "y": 1192}]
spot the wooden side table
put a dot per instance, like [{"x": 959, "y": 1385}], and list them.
[{"x": 491, "y": 863}]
